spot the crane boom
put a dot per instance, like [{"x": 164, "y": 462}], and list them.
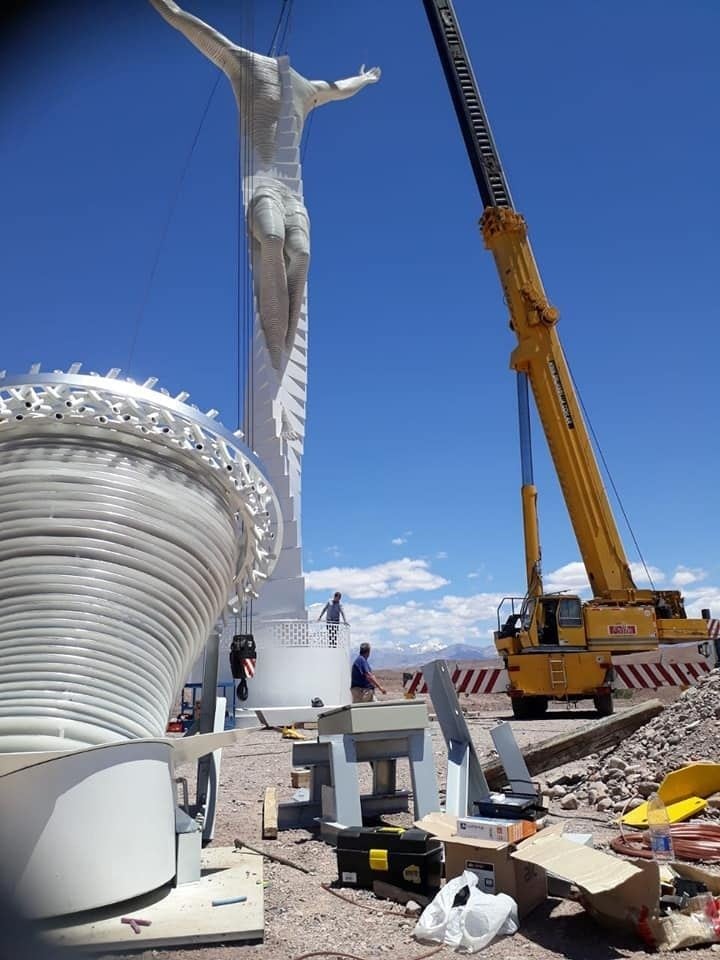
[
  {"x": 470, "y": 110},
  {"x": 539, "y": 354}
]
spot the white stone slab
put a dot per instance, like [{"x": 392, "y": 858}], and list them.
[
  {"x": 178, "y": 915},
  {"x": 380, "y": 716},
  {"x": 284, "y": 716}
]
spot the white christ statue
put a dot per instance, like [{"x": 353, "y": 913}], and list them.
[{"x": 273, "y": 102}]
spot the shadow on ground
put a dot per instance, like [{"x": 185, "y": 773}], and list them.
[
  {"x": 555, "y": 715},
  {"x": 576, "y": 935}
]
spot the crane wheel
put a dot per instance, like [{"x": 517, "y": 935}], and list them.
[
  {"x": 604, "y": 705},
  {"x": 520, "y": 708},
  {"x": 529, "y": 708}
]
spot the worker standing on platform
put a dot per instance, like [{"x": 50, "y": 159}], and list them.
[
  {"x": 363, "y": 682},
  {"x": 332, "y": 611}
]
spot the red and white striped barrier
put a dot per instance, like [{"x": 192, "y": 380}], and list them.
[
  {"x": 648, "y": 676},
  {"x": 677, "y": 665},
  {"x": 672, "y": 665},
  {"x": 491, "y": 679}
]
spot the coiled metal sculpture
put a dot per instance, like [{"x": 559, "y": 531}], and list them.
[{"x": 128, "y": 519}]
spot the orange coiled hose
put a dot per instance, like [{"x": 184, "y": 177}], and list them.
[{"x": 691, "y": 841}]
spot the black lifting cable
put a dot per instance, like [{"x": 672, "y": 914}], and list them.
[
  {"x": 610, "y": 477},
  {"x": 283, "y": 41},
  {"x": 244, "y": 294},
  {"x": 306, "y": 138},
  {"x": 166, "y": 225},
  {"x": 244, "y": 285},
  {"x": 282, "y": 45},
  {"x": 278, "y": 41},
  {"x": 245, "y": 301}
]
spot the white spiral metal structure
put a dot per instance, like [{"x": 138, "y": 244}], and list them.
[{"x": 128, "y": 520}]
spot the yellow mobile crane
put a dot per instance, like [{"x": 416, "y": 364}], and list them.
[{"x": 554, "y": 646}]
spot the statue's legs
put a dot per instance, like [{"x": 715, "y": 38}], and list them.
[
  {"x": 297, "y": 261},
  {"x": 266, "y": 219}
]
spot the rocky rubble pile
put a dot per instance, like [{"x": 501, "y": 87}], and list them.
[{"x": 687, "y": 730}]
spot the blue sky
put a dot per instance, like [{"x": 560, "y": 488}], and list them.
[{"x": 606, "y": 119}]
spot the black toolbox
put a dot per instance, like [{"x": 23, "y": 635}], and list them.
[{"x": 410, "y": 859}]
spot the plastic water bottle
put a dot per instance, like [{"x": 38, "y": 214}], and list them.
[{"x": 659, "y": 826}]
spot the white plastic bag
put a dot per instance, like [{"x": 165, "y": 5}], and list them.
[
  {"x": 486, "y": 916},
  {"x": 433, "y": 921},
  {"x": 471, "y": 926}
]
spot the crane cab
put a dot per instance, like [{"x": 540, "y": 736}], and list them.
[
  {"x": 550, "y": 620},
  {"x": 559, "y": 622}
]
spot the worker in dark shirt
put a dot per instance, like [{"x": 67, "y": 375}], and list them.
[
  {"x": 363, "y": 682},
  {"x": 332, "y": 611}
]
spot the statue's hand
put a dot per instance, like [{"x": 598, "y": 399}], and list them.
[{"x": 372, "y": 75}]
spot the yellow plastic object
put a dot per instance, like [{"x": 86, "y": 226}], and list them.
[
  {"x": 694, "y": 780},
  {"x": 677, "y": 812},
  {"x": 683, "y": 792},
  {"x": 378, "y": 860},
  {"x": 290, "y": 733}
]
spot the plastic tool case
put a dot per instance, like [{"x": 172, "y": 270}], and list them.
[{"x": 410, "y": 859}]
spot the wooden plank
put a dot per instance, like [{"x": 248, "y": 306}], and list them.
[
  {"x": 300, "y": 778},
  {"x": 270, "y": 814},
  {"x": 573, "y": 746},
  {"x": 388, "y": 891}
]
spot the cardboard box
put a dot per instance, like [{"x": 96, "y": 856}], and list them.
[
  {"x": 620, "y": 894},
  {"x": 491, "y": 861},
  {"x": 486, "y": 828},
  {"x": 614, "y": 891}
]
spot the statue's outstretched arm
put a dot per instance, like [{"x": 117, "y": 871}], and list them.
[
  {"x": 341, "y": 89},
  {"x": 213, "y": 44}
]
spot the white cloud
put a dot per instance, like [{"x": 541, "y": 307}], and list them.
[
  {"x": 698, "y": 599},
  {"x": 573, "y": 578},
  {"x": 403, "y": 538},
  {"x": 441, "y": 555},
  {"x": 684, "y": 576},
  {"x": 380, "y": 580},
  {"x": 570, "y": 577},
  {"x": 480, "y": 571},
  {"x": 424, "y": 626},
  {"x": 640, "y": 576}
]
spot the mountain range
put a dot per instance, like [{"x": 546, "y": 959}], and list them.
[{"x": 398, "y": 657}]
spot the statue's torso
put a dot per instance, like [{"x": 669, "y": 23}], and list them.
[{"x": 273, "y": 100}]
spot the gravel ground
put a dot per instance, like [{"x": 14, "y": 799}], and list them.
[
  {"x": 301, "y": 917},
  {"x": 687, "y": 730}
]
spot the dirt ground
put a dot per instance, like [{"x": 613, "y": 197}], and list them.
[{"x": 301, "y": 917}]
